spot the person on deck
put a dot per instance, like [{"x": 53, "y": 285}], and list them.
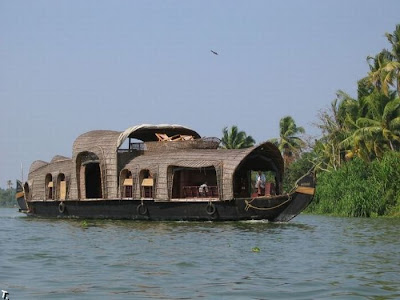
[
  {"x": 203, "y": 189},
  {"x": 260, "y": 182}
]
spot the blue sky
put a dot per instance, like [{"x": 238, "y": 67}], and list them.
[{"x": 67, "y": 67}]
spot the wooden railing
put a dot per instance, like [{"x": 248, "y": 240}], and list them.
[
  {"x": 134, "y": 147},
  {"x": 192, "y": 191}
]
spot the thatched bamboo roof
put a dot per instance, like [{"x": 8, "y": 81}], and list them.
[
  {"x": 208, "y": 157},
  {"x": 36, "y": 165},
  {"x": 39, "y": 171},
  {"x": 226, "y": 162},
  {"x": 96, "y": 138},
  {"x": 146, "y": 132},
  {"x": 159, "y": 158},
  {"x": 58, "y": 158}
]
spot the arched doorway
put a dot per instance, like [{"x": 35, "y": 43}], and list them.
[
  {"x": 265, "y": 159},
  {"x": 93, "y": 180},
  {"x": 89, "y": 176}
]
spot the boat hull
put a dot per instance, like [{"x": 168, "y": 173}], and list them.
[
  {"x": 279, "y": 208},
  {"x": 20, "y": 197},
  {"x": 260, "y": 208}
]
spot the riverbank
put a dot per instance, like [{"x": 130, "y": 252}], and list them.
[{"x": 360, "y": 189}]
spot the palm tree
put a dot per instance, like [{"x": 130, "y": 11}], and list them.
[
  {"x": 235, "y": 139},
  {"x": 385, "y": 67},
  {"x": 369, "y": 125},
  {"x": 9, "y": 184},
  {"x": 377, "y": 72},
  {"x": 378, "y": 130},
  {"x": 335, "y": 124},
  {"x": 288, "y": 142}
]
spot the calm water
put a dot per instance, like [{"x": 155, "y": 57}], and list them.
[{"x": 313, "y": 257}]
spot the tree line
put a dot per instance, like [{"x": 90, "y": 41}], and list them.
[
  {"x": 7, "y": 197},
  {"x": 357, "y": 156}
]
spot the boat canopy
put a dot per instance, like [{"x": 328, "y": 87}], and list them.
[
  {"x": 147, "y": 132},
  {"x": 227, "y": 163}
]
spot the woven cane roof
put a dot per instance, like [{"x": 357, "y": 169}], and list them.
[
  {"x": 58, "y": 158},
  {"x": 208, "y": 157},
  {"x": 265, "y": 156},
  {"x": 39, "y": 172},
  {"x": 146, "y": 132},
  {"x": 95, "y": 138},
  {"x": 37, "y": 164}
]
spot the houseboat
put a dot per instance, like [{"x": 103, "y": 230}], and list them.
[{"x": 161, "y": 172}]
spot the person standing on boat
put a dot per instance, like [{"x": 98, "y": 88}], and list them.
[
  {"x": 260, "y": 182},
  {"x": 203, "y": 189}
]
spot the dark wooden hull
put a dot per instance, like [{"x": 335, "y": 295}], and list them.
[
  {"x": 261, "y": 208},
  {"x": 19, "y": 195},
  {"x": 280, "y": 208}
]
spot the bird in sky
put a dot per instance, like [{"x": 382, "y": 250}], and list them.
[{"x": 214, "y": 52}]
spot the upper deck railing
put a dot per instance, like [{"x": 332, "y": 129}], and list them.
[
  {"x": 203, "y": 143},
  {"x": 134, "y": 147}
]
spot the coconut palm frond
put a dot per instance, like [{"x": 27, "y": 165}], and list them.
[{"x": 232, "y": 138}]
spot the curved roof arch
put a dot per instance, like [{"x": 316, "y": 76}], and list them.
[
  {"x": 89, "y": 139},
  {"x": 58, "y": 158},
  {"x": 37, "y": 164},
  {"x": 232, "y": 158},
  {"x": 264, "y": 156},
  {"x": 146, "y": 132},
  {"x": 266, "y": 149}
]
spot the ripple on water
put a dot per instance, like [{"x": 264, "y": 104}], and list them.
[{"x": 312, "y": 257}]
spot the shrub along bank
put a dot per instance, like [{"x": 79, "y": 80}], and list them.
[{"x": 360, "y": 189}]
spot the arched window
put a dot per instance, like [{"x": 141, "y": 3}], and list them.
[
  {"x": 48, "y": 187},
  {"x": 61, "y": 192},
  {"x": 126, "y": 183},
  {"x": 146, "y": 184}
]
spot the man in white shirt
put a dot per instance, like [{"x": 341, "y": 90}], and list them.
[{"x": 260, "y": 182}]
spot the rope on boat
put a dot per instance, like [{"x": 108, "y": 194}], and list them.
[
  {"x": 296, "y": 185},
  {"x": 248, "y": 204}
]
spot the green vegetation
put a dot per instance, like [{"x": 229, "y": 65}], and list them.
[
  {"x": 298, "y": 168},
  {"x": 367, "y": 126},
  {"x": 358, "y": 155},
  {"x": 235, "y": 139},
  {"x": 357, "y": 159},
  {"x": 360, "y": 189},
  {"x": 288, "y": 142},
  {"x": 7, "y": 197}
]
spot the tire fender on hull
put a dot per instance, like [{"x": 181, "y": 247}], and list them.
[
  {"x": 61, "y": 207},
  {"x": 211, "y": 210},
  {"x": 141, "y": 209}
]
